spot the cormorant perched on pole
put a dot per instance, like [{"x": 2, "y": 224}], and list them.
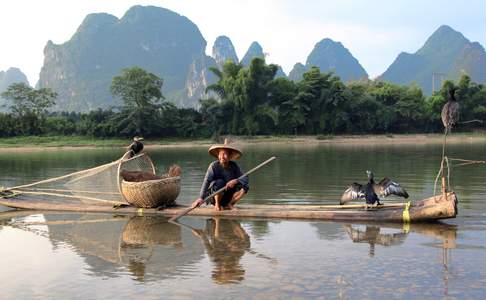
[
  {"x": 450, "y": 111},
  {"x": 372, "y": 190},
  {"x": 450, "y": 117},
  {"x": 136, "y": 147}
]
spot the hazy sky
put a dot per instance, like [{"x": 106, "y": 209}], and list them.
[{"x": 375, "y": 31}]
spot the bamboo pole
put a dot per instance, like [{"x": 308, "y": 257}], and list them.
[{"x": 319, "y": 207}]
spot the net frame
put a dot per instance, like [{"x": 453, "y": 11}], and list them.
[{"x": 100, "y": 184}]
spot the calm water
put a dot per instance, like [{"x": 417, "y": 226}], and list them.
[{"x": 105, "y": 256}]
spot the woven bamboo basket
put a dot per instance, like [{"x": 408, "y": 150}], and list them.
[{"x": 152, "y": 193}]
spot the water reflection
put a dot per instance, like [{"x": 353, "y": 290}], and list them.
[
  {"x": 372, "y": 236},
  {"x": 148, "y": 248},
  {"x": 387, "y": 234},
  {"x": 139, "y": 238},
  {"x": 225, "y": 242}
]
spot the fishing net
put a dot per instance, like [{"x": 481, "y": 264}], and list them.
[{"x": 97, "y": 185}]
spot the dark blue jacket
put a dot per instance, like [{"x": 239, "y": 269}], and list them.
[{"x": 216, "y": 171}]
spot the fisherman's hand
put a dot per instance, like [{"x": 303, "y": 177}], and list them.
[
  {"x": 231, "y": 184},
  {"x": 197, "y": 202}
]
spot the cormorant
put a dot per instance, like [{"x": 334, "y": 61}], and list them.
[
  {"x": 372, "y": 190},
  {"x": 450, "y": 111},
  {"x": 136, "y": 147}
]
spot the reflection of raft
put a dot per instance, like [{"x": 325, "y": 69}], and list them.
[
  {"x": 149, "y": 248},
  {"x": 430, "y": 209}
]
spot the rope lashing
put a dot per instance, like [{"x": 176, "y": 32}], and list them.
[{"x": 6, "y": 193}]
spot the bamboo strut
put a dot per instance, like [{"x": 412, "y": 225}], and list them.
[
  {"x": 70, "y": 191},
  {"x": 69, "y": 196},
  {"x": 67, "y": 222}
]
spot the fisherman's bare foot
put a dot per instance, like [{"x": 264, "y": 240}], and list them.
[
  {"x": 218, "y": 208},
  {"x": 230, "y": 207}
]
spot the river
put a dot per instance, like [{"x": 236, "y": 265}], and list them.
[{"x": 56, "y": 255}]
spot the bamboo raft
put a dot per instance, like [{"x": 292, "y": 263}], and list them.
[{"x": 442, "y": 206}]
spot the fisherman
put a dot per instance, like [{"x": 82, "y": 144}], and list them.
[
  {"x": 136, "y": 147},
  {"x": 223, "y": 173}
]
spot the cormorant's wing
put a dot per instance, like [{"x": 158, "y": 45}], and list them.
[
  {"x": 353, "y": 192},
  {"x": 450, "y": 114},
  {"x": 388, "y": 187}
]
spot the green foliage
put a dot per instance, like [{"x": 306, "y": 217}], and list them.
[
  {"x": 28, "y": 101},
  {"x": 8, "y": 125},
  {"x": 137, "y": 87},
  {"x": 251, "y": 101},
  {"x": 29, "y": 106},
  {"x": 142, "y": 96}
]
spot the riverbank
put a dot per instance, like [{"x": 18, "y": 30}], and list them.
[{"x": 75, "y": 142}]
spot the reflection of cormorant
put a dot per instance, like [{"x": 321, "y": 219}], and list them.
[
  {"x": 225, "y": 242},
  {"x": 136, "y": 147},
  {"x": 372, "y": 190},
  {"x": 372, "y": 236}
]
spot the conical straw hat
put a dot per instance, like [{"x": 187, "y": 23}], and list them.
[{"x": 234, "y": 152}]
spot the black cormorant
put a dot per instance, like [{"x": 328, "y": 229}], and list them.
[
  {"x": 136, "y": 147},
  {"x": 372, "y": 190},
  {"x": 450, "y": 111}
]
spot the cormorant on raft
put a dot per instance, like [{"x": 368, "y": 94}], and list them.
[
  {"x": 136, "y": 147},
  {"x": 372, "y": 190},
  {"x": 450, "y": 111}
]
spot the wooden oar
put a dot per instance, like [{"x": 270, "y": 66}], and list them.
[{"x": 206, "y": 200}]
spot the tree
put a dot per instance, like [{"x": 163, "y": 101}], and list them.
[
  {"x": 29, "y": 105},
  {"x": 320, "y": 96},
  {"x": 27, "y": 100},
  {"x": 141, "y": 93},
  {"x": 282, "y": 98},
  {"x": 229, "y": 116},
  {"x": 245, "y": 95}
]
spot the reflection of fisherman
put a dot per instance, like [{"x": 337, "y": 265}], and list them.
[
  {"x": 223, "y": 173},
  {"x": 136, "y": 147},
  {"x": 225, "y": 242}
]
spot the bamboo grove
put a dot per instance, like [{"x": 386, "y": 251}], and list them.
[{"x": 246, "y": 101}]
